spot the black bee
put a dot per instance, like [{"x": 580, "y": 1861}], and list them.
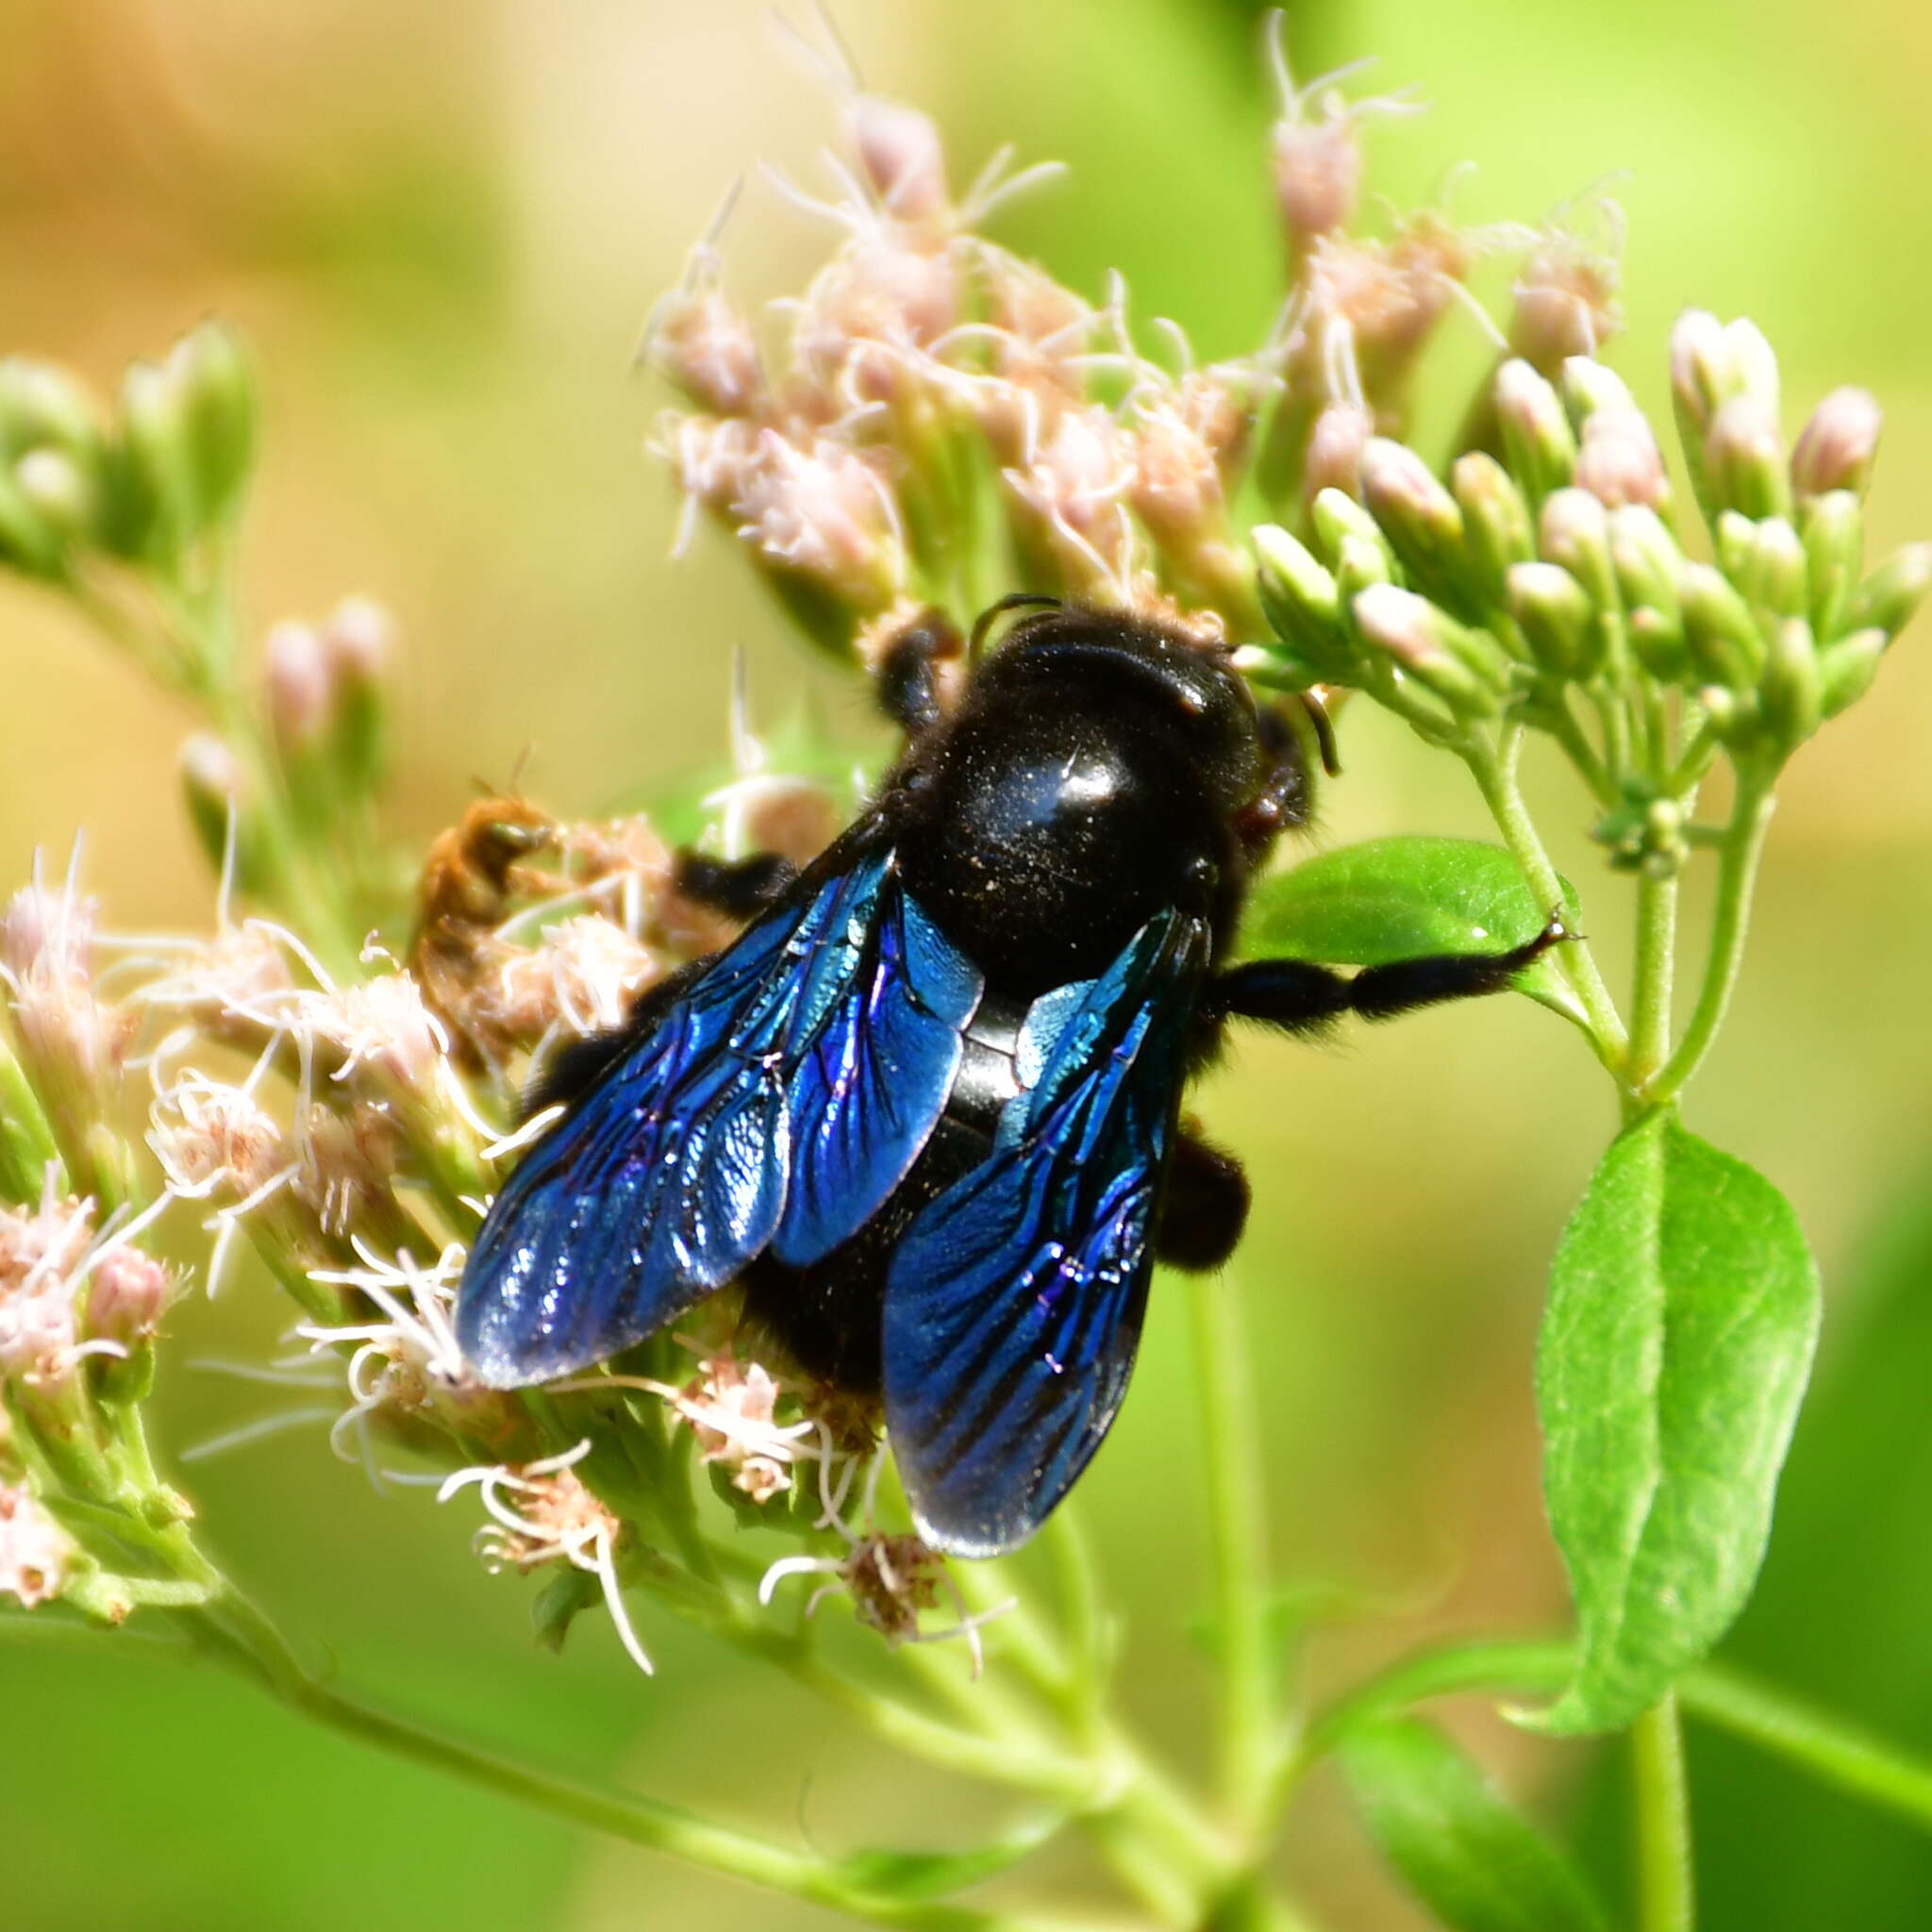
[{"x": 927, "y": 1106}]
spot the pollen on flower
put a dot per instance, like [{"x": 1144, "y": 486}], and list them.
[
  {"x": 34, "y": 1550},
  {"x": 731, "y": 1408},
  {"x": 541, "y": 1512}
]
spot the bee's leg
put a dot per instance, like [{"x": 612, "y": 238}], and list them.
[
  {"x": 909, "y": 676},
  {"x": 738, "y": 889},
  {"x": 1204, "y": 1205},
  {"x": 1302, "y": 998}
]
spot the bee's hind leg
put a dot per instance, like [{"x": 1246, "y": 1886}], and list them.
[
  {"x": 738, "y": 889},
  {"x": 1204, "y": 1207}
]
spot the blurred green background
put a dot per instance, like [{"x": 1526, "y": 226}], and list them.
[{"x": 442, "y": 222}]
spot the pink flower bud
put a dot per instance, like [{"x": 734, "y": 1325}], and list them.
[
  {"x": 701, "y": 343},
  {"x": 125, "y": 1297},
  {"x": 1335, "y": 444},
  {"x": 1619, "y": 462},
  {"x": 359, "y": 636},
  {"x": 1835, "y": 448},
  {"x": 1318, "y": 174},
  {"x": 300, "y": 694}
]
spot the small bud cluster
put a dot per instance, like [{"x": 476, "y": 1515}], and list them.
[
  {"x": 144, "y": 485},
  {"x": 1558, "y": 568}
]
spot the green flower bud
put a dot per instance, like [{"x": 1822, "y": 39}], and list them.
[
  {"x": 1589, "y": 386},
  {"x": 149, "y": 475},
  {"x": 1337, "y": 518},
  {"x": 1574, "y": 530},
  {"x": 1418, "y": 516},
  {"x": 213, "y": 785},
  {"x": 45, "y": 408},
  {"x": 1360, "y": 565},
  {"x": 218, "y": 412},
  {"x": 1496, "y": 520},
  {"x": 1775, "y": 582},
  {"x": 61, "y": 491},
  {"x": 1735, "y": 538},
  {"x": 1836, "y": 448},
  {"x": 1729, "y": 713},
  {"x": 1834, "y": 527},
  {"x": 28, "y": 541},
  {"x": 1644, "y": 557},
  {"x": 1298, "y": 596},
  {"x": 1790, "y": 697},
  {"x": 1885, "y": 600},
  {"x": 1466, "y": 669},
  {"x": 1725, "y": 646},
  {"x": 1657, "y": 639},
  {"x": 1557, "y": 618},
  {"x": 1744, "y": 459},
  {"x": 1538, "y": 442},
  {"x": 1846, "y": 668}
]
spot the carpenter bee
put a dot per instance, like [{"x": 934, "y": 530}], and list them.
[{"x": 927, "y": 1106}]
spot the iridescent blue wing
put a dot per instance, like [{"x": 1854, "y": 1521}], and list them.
[
  {"x": 1014, "y": 1300},
  {"x": 783, "y": 1093}
]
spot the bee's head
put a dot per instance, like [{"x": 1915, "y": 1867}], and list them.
[{"x": 1150, "y": 678}]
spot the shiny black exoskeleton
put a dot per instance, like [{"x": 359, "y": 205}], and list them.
[{"x": 928, "y": 1107}]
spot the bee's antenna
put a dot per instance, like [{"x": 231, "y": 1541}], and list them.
[
  {"x": 1015, "y": 600},
  {"x": 1324, "y": 730}
]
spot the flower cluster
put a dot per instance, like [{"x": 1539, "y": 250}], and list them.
[
  {"x": 1545, "y": 581},
  {"x": 936, "y": 422}
]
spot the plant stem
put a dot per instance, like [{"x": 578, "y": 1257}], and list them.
[
  {"x": 234, "y": 1631},
  {"x": 1249, "y": 1728},
  {"x": 1737, "y": 860},
  {"x": 1666, "y": 1897},
  {"x": 1650, "y": 1013},
  {"x": 1839, "y": 1752},
  {"x": 1493, "y": 767}
]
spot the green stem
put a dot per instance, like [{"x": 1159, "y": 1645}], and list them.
[
  {"x": 1657, "y": 945},
  {"x": 1666, "y": 1897},
  {"x": 1737, "y": 861},
  {"x": 237, "y": 1633},
  {"x": 1493, "y": 767},
  {"x": 1249, "y": 1726},
  {"x": 1839, "y": 1753}
]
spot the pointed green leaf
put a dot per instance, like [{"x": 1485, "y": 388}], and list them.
[
  {"x": 1674, "y": 1351},
  {"x": 1473, "y": 1860},
  {"x": 1402, "y": 899}
]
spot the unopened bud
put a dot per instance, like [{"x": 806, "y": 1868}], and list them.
[
  {"x": 127, "y": 1294},
  {"x": 1656, "y": 641},
  {"x": 1712, "y": 362},
  {"x": 1773, "y": 580},
  {"x": 1496, "y": 519},
  {"x": 1846, "y": 668},
  {"x": 1885, "y": 600},
  {"x": 28, "y": 541},
  {"x": 1620, "y": 462},
  {"x": 301, "y": 687},
  {"x": 1790, "y": 695},
  {"x": 1418, "y": 516},
  {"x": 1302, "y": 602},
  {"x": 1589, "y": 386},
  {"x": 215, "y": 789},
  {"x": 218, "y": 415},
  {"x": 1644, "y": 558},
  {"x": 357, "y": 637},
  {"x": 44, "y": 408},
  {"x": 1557, "y": 618},
  {"x": 1744, "y": 459},
  {"x": 151, "y": 493},
  {"x": 1835, "y": 449},
  {"x": 1464, "y": 668},
  {"x": 1338, "y": 518},
  {"x": 1360, "y": 565},
  {"x": 59, "y": 492},
  {"x": 1538, "y": 440},
  {"x": 902, "y": 157},
  {"x": 1574, "y": 530},
  {"x": 1834, "y": 527},
  {"x": 1724, "y": 642}
]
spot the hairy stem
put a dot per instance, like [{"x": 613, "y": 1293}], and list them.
[
  {"x": 1665, "y": 1887},
  {"x": 1493, "y": 767},
  {"x": 1737, "y": 861},
  {"x": 1650, "y": 1012}
]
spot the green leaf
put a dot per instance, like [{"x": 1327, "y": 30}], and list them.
[
  {"x": 1456, "y": 1842},
  {"x": 1675, "y": 1347},
  {"x": 1402, "y": 899}
]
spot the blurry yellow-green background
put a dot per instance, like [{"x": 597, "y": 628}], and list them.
[{"x": 441, "y": 221}]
